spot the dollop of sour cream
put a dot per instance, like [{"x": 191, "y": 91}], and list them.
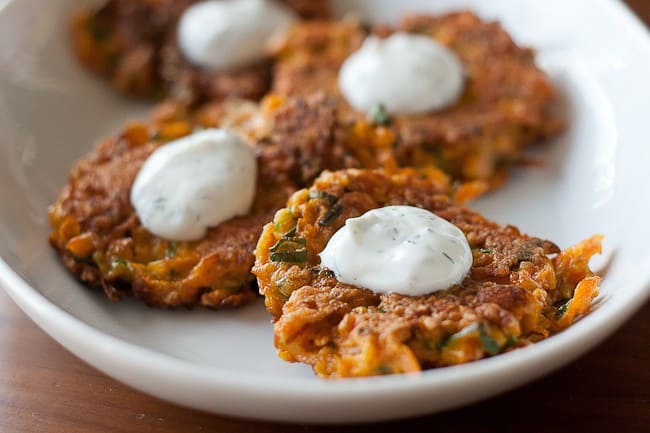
[
  {"x": 400, "y": 249},
  {"x": 228, "y": 34},
  {"x": 406, "y": 73},
  {"x": 193, "y": 183}
]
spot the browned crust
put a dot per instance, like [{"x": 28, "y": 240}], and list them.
[
  {"x": 508, "y": 103},
  {"x": 102, "y": 242},
  {"x": 509, "y": 299},
  {"x": 133, "y": 44}
]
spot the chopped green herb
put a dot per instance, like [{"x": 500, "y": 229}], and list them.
[
  {"x": 290, "y": 243},
  {"x": 448, "y": 257},
  {"x": 289, "y": 248},
  {"x": 381, "y": 309},
  {"x": 562, "y": 308},
  {"x": 316, "y": 194},
  {"x": 441, "y": 344},
  {"x": 510, "y": 341},
  {"x": 299, "y": 256},
  {"x": 283, "y": 288},
  {"x": 384, "y": 369},
  {"x": 489, "y": 344},
  {"x": 485, "y": 250},
  {"x": 331, "y": 215},
  {"x": 379, "y": 115},
  {"x": 84, "y": 260},
  {"x": 171, "y": 250},
  {"x": 427, "y": 343},
  {"x": 118, "y": 261}
]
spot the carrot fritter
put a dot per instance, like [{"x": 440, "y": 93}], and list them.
[
  {"x": 103, "y": 243},
  {"x": 309, "y": 57},
  {"x": 508, "y": 102},
  {"x": 520, "y": 289},
  {"x": 133, "y": 44}
]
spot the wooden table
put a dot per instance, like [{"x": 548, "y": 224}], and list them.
[{"x": 45, "y": 389}]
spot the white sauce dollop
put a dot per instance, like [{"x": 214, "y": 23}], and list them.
[
  {"x": 228, "y": 34},
  {"x": 400, "y": 249},
  {"x": 193, "y": 183},
  {"x": 406, "y": 73}
]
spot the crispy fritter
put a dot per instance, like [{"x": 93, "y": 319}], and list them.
[
  {"x": 133, "y": 44},
  {"x": 508, "y": 102},
  {"x": 520, "y": 289},
  {"x": 310, "y": 56},
  {"x": 103, "y": 243}
]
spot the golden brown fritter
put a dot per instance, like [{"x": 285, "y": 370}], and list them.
[
  {"x": 309, "y": 57},
  {"x": 520, "y": 289},
  {"x": 133, "y": 44},
  {"x": 507, "y": 104},
  {"x": 102, "y": 242}
]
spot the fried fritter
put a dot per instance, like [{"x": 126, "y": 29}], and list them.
[
  {"x": 508, "y": 102},
  {"x": 520, "y": 289},
  {"x": 102, "y": 242},
  {"x": 133, "y": 44}
]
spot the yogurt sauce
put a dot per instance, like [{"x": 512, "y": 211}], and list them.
[
  {"x": 194, "y": 183},
  {"x": 406, "y": 73},
  {"x": 400, "y": 249},
  {"x": 228, "y": 34}
]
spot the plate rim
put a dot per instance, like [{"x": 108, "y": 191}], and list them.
[
  {"x": 74, "y": 333},
  {"x": 70, "y": 331}
]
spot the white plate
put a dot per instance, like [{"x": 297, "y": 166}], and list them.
[{"x": 595, "y": 180}]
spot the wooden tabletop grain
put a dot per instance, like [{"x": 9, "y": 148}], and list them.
[{"x": 43, "y": 388}]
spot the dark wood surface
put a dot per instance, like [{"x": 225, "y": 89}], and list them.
[{"x": 45, "y": 389}]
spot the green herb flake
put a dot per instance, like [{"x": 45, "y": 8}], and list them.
[
  {"x": 384, "y": 369},
  {"x": 288, "y": 243},
  {"x": 510, "y": 341},
  {"x": 283, "y": 288},
  {"x": 84, "y": 260},
  {"x": 331, "y": 215},
  {"x": 316, "y": 194},
  {"x": 298, "y": 256},
  {"x": 448, "y": 257},
  {"x": 561, "y": 311},
  {"x": 489, "y": 344},
  {"x": 485, "y": 250},
  {"x": 442, "y": 343},
  {"x": 289, "y": 248},
  {"x": 427, "y": 343},
  {"x": 379, "y": 115},
  {"x": 171, "y": 250},
  {"x": 118, "y": 262}
]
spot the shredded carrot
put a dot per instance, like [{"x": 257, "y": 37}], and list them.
[{"x": 580, "y": 304}]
